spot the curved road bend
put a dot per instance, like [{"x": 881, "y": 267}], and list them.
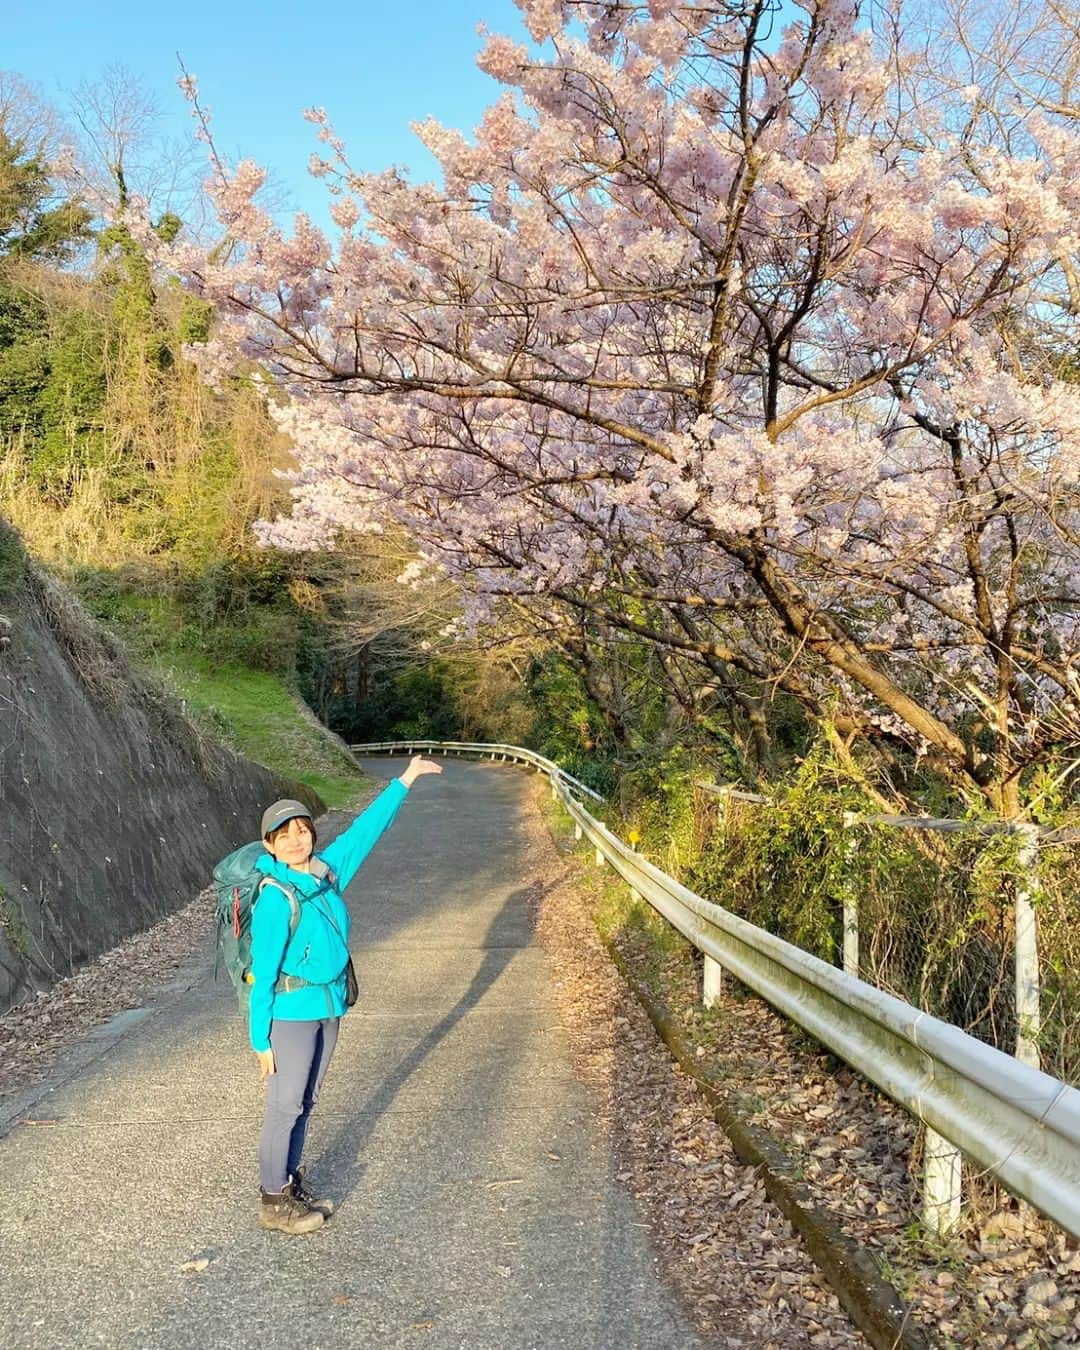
[{"x": 476, "y": 1203}]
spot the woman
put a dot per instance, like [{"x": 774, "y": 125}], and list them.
[{"x": 299, "y": 982}]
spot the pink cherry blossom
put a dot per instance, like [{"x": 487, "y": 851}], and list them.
[{"x": 714, "y": 339}]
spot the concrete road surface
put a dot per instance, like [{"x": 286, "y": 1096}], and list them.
[{"x": 477, "y": 1205}]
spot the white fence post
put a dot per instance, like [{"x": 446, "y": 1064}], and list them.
[
  {"x": 942, "y": 1179},
  {"x": 1028, "y": 1017},
  {"x": 712, "y": 981},
  {"x": 851, "y": 901}
]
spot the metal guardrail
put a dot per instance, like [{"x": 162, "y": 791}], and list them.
[
  {"x": 1019, "y": 1124},
  {"x": 512, "y": 753}
]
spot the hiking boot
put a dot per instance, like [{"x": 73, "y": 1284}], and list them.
[
  {"x": 298, "y": 1186},
  {"x": 282, "y": 1212}
]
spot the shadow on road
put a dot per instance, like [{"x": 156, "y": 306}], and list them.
[{"x": 341, "y": 1164}]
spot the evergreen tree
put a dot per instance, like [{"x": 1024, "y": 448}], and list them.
[
  {"x": 37, "y": 225},
  {"x": 34, "y": 223}
]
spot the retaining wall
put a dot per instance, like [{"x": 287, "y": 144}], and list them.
[{"x": 113, "y": 807}]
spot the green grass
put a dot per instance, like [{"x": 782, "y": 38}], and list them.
[
  {"x": 253, "y": 711},
  {"x": 12, "y": 560},
  {"x": 258, "y": 716}
]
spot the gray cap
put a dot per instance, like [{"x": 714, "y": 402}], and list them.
[{"x": 280, "y": 812}]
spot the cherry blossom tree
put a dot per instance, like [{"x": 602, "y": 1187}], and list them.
[{"x": 719, "y": 336}]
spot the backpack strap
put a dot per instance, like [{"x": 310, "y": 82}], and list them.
[
  {"x": 328, "y": 880},
  {"x": 287, "y": 984},
  {"x": 321, "y": 869},
  {"x": 289, "y": 894}
]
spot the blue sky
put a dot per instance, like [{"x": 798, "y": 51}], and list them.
[{"x": 374, "y": 67}]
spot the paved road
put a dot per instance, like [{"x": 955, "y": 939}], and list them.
[{"x": 477, "y": 1205}]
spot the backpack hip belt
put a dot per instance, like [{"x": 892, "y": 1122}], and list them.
[{"x": 288, "y": 984}]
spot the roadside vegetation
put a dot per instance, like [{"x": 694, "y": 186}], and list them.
[{"x": 1003, "y": 1277}]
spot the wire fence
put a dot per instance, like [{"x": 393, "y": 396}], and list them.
[{"x": 978, "y": 926}]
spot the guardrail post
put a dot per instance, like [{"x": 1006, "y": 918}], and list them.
[
  {"x": 942, "y": 1179},
  {"x": 599, "y": 858},
  {"x": 577, "y": 830},
  {"x": 851, "y": 903},
  {"x": 1026, "y": 942},
  {"x": 712, "y": 981}
]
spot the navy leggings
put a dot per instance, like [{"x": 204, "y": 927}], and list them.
[{"x": 302, "y": 1052}]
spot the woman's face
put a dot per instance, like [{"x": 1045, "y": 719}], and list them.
[{"x": 293, "y": 842}]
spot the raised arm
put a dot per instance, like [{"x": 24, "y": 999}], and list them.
[{"x": 352, "y": 846}]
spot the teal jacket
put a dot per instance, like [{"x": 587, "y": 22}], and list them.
[{"x": 317, "y": 952}]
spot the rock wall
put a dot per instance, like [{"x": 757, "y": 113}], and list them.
[{"x": 113, "y": 807}]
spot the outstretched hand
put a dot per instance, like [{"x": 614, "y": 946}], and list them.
[{"x": 417, "y": 767}]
